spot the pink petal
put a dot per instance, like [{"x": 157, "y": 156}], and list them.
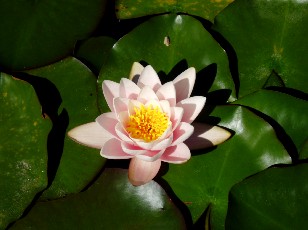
[
  {"x": 132, "y": 105},
  {"x": 135, "y": 71},
  {"x": 184, "y": 84},
  {"x": 149, "y": 78},
  {"x": 123, "y": 118},
  {"x": 122, "y": 134},
  {"x": 167, "y": 133},
  {"x": 146, "y": 94},
  {"x": 192, "y": 107},
  {"x": 163, "y": 144},
  {"x": 120, "y": 104},
  {"x": 182, "y": 133},
  {"x": 158, "y": 144},
  {"x": 150, "y": 155},
  {"x": 128, "y": 89},
  {"x": 205, "y": 136},
  {"x": 176, "y": 116},
  {"x": 110, "y": 90},
  {"x": 132, "y": 149},
  {"x": 145, "y": 145},
  {"x": 113, "y": 150},
  {"x": 176, "y": 154},
  {"x": 165, "y": 106},
  {"x": 108, "y": 121},
  {"x": 141, "y": 172},
  {"x": 154, "y": 103},
  {"x": 90, "y": 134},
  {"x": 167, "y": 92}
]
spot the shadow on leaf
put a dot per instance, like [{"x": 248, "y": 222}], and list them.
[
  {"x": 232, "y": 57},
  {"x": 283, "y": 137},
  {"x": 178, "y": 203},
  {"x": 292, "y": 92},
  {"x": 204, "y": 220},
  {"x": 50, "y": 100}
]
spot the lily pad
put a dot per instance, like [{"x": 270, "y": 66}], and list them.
[
  {"x": 266, "y": 36},
  {"x": 167, "y": 42},
  {"x": 303, "y": 154},
  {"x": 74, "y": 165},
  {"x": 93, "y": 52},
  {"x": 207, "y": 177},
  {"x": 204, "y": 8},
  {"x": 290, "y": 112},
  {"x": 274, "y": 199},
  {"x": 111, "y": 203},
  {"x": 36, "y": 33},
  {"x": 23, "y": 153}
]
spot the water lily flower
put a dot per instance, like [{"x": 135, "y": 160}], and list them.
[{"x": 149, "y": 122}]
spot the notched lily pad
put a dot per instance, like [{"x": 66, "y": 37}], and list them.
[
  {"x": 23, "y": 152},
  {"x": 169, "y": 43}
]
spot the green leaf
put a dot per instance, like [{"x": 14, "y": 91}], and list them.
[
  {"x": 93, "y": 52},
  {"x": 273, "y": 199},
  {"x": 111, "y": 203},
  {"x": 204, "y": 8},
  {"x": 274, "y": 80},
  {"x": 209, "y": 175},
  {"x": 290, "y": 112},
  {"x": 36, "y": 33},
  {"x": 23, "y": 154},
  {"x": 267, "y": 35},
  {"x": 185, "y": 39},
  {"x": 78, "y": 164},
  {"x": 303, "y": 154}
]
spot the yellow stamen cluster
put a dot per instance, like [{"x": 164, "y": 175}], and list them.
[{"x": 147, "y": 123}]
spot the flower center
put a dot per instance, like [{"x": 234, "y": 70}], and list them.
[{"x": 147, "y": 123}]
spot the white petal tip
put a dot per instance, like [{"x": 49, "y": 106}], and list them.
[
  {"x": 90, "y": 134},
  {"x": 135, "y": 71},
  {"x": 206, "y": 136},
  {"x": 219, "y": 135},
  {"x": 190, "y": 72}
]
